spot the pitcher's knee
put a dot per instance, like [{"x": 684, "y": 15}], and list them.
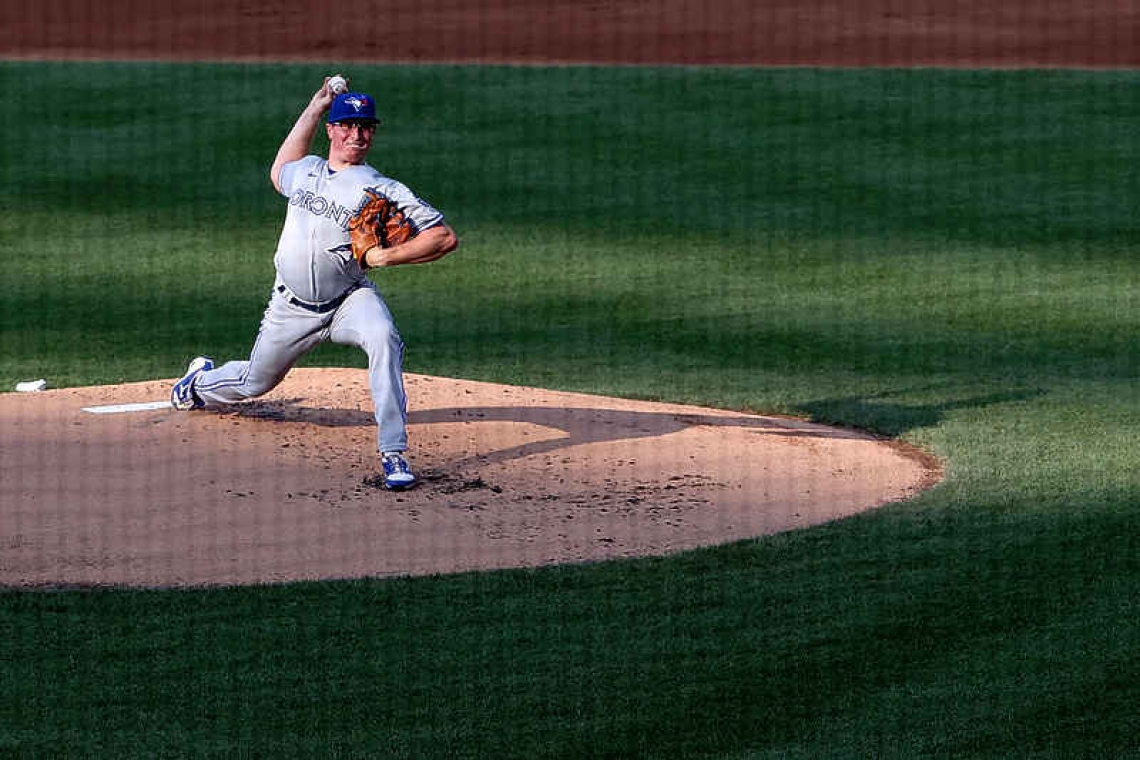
[
  {"x": 254, "y": 388},
  {"x": 257, "y": 384}
]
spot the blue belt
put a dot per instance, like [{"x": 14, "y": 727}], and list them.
[{"x": 318, "y": 308}]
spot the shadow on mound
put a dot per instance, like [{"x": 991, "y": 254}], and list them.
[{"x": 579, "y": 425}]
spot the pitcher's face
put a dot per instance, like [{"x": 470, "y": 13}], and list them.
[{"x": 350, "y": 140}]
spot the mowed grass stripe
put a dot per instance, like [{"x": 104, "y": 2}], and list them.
[{"x": 944, "y": 256}]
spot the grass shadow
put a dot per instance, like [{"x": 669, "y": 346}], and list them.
[{"x": 877, "y": 413}]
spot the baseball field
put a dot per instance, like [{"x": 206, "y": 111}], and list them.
[{"x": 943, "y": 257}]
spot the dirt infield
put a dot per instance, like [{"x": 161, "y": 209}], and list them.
[
  {"x": 1095, "y": 33},
  {"x": 284, "y": 488}
]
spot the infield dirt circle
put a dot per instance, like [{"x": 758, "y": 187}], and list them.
[{"x": 285, "y": 488}]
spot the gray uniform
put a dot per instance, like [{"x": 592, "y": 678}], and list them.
[{"x": 321, "y": 294}]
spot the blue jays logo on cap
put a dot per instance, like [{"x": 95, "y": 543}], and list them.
[{"x": 353, "y": 105}]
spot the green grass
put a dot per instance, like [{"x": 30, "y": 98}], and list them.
[{"x": 942, "y": 256}]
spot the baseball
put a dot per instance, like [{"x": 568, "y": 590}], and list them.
[{"x": 337, "y": 85}]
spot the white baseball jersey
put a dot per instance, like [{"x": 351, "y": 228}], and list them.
[
  {"x": 325, "y": 295},
  {"x": 314, "y": 257}
]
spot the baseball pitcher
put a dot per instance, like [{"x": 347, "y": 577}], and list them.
[{"x": 344, "y": 218}]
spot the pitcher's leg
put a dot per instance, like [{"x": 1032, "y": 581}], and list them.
[
  {"x": 286, "y": 333},
  {"x": 365, "y": 321}
]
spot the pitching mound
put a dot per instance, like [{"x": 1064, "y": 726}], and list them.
[{"x": 286, "y": 487}]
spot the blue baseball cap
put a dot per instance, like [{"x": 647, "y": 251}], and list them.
[{"x": 355, "y": 106}]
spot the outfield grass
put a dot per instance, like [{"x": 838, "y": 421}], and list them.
[{"x": 942, "y": 256}]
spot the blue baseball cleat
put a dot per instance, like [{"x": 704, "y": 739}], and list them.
[
  {"x": 182, "y": 396},
  {"x": 397, "y": 474}
]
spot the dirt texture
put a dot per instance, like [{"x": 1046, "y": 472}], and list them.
[
  {"x": 287, "y": 487},
  {"x": 1093, "y": 33}
]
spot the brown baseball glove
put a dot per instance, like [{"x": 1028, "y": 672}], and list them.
[{"x": 379, "y": 223}]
